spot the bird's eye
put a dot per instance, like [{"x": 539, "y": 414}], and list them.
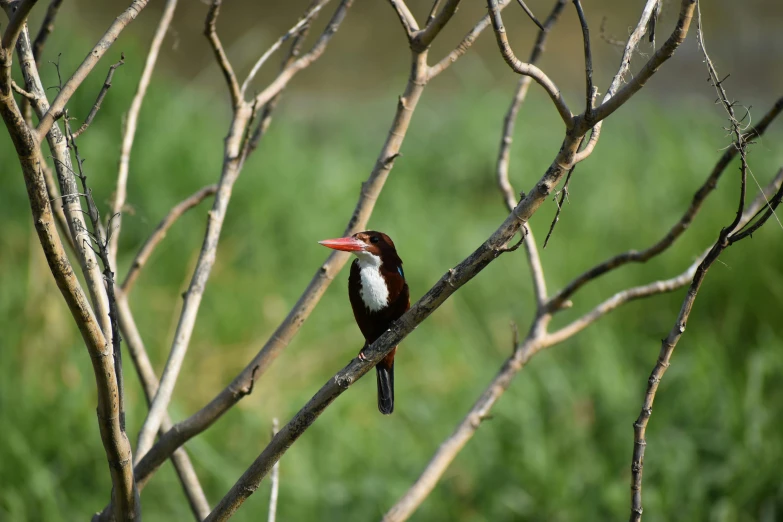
[{"x": 374, "y": 239}]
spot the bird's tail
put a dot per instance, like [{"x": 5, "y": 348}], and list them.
[{"x": 384, "y": 372}]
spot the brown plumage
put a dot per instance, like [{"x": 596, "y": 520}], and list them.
[{"x": 379, "y": 295}]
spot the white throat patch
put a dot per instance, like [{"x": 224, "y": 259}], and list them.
[{"x": 373, "y": 291}]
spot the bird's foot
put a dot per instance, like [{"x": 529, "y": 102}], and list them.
[{"x": 362, "y": 357}]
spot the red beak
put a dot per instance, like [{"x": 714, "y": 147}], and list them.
[{"x": 348, "y": 244}]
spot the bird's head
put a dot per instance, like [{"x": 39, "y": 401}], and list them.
[{"x": 369, "y": 245}]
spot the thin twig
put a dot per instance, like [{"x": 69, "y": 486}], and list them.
[
  {"x": 619, "y": 78},
  {"x": 92, "y": 59},
  {"x": 279, "y": 83},
  {"x": 101, "y": 243},
  {"x": 101, "y": 95},
  {"x": 530, "y": 14},
  {"x": 210, "y": 32},
  {"x": 160, "y": 232},
  {"x": 269, "y": 108},
  {"x": 632, "y": 86},
  {"x": 68, "y": 186},
  {"x": 16, "y": 23},
  {"x": 47, "y": 26},
  {"x": 465, "y": 44},
  {"x": 563, "y": 197},
  {"x": 527, "y": 69},
  {"x": 433, "y": 10},
  {"x": 275, "y": 479},
  {"x": 590, "y": 95},
  {"x": 504, "y": 154},
  {"x": 308, "y": 16},
  {"x": 407, "y": 19},
  {"x": 131, "y": 123},
  {"x": 668, "y": 344},
  {"x": 17, "y": 89},
  {"x": 424, "y": 38}
]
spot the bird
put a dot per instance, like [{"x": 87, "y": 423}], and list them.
[{"x": 379, "y": 296}]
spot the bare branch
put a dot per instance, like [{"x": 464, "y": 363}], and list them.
[
  {"x": 530, "y": 14},
  {"x": 101, "y": 95},
  {"x": 465, "y": 44},
  {"x": 275, "y": 479},
  {"x": 149, "y": 382},
  {"x": 285, "y": 76},
  {"x": 634, "y": 256},
  {"x": 220, "y": 55},
  {"x": 407, "y": 19},
  {"x": 308, "y": 16},
  {"x": 465, "y": 430},
  {"x": 433, "y": 10},
  {"x": 589, "y": 87},
  {"x": 30, "y": 96},
  {"x": 20, "y": 10},
  {"x": 425, "y": 37},
  {"x": 129, "y": 129},
  {"x": 115, "y": 443},
  {"x": 47, "y": 26},
  {"x": 69, "y": 189},
  {"x": 525, "y": 68},
  {"x": 619, "y": 77},
  {"x": 659, "y": 287},
  {"x": 160, "y": 232},
  {"x": 270, "y": 106},
  {"x": 92, "y": 59},
  {"x": 504, "y": 154},
  {"x": 668, "y": 344},
  {"x": 563, "y": 199},
  {"x": 653, "y": 64}
]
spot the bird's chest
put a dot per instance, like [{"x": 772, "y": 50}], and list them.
[{"x": 373, "y": 289}]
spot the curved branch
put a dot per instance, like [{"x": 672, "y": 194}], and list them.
[
  {"x": 210, "y": 31},
  {"x": 525, "y": 68},
  {"x": 504, "y": 153}
]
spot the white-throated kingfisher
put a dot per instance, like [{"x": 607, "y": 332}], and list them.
[{"x": 379, "y": 296}]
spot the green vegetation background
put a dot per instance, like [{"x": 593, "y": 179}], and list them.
[{"x": 559, "y": 444}]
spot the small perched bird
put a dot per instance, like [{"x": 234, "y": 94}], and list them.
[{"x": 379, "y": 296}]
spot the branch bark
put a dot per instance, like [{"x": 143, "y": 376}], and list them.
[
  {"x": 129, "y": 130},
  {"x": 110, "y": 36}
]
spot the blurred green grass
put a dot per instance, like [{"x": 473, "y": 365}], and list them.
[{"x": 558, "y": 446}]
